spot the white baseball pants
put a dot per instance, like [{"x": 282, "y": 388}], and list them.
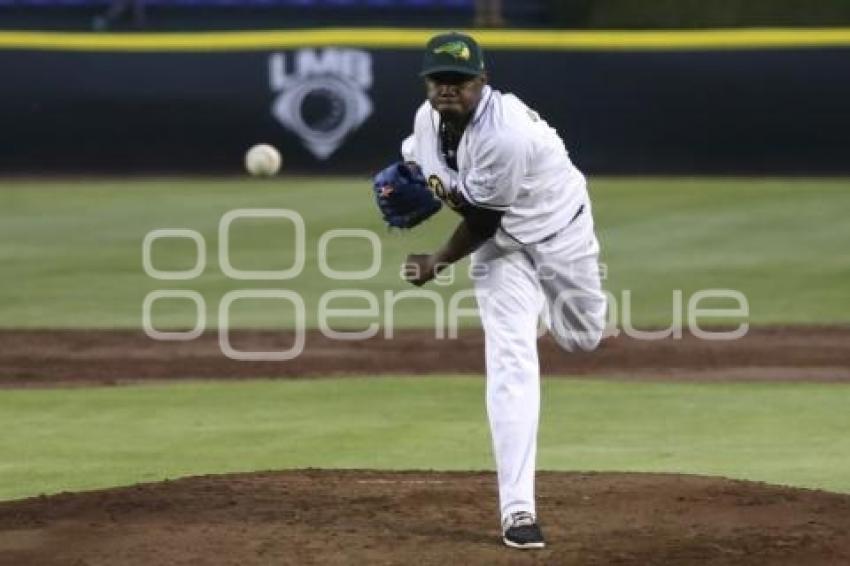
[{"x": 516, "y": 284}]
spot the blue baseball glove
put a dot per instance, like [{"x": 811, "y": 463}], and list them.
[{"x": 403, "y": 195}]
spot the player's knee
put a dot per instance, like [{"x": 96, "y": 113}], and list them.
[
  {"x": 579, "y": 325},
  {"x": 590, "y": 340},
  {"x": 579, "y": 340}
]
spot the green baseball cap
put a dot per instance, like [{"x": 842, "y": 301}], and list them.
[{"x": 452, "y": 52}]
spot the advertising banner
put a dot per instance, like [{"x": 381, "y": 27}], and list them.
[{"x": 344, "y": 107}]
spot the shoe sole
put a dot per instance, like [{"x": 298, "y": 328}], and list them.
[{"x": 526, "y": 546}]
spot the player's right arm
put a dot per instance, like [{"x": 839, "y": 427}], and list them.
[
  {"x": 409, "y": 145},
  {"x": 408, "y": 148}
]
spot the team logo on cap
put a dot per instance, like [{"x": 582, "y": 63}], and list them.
[{"x": 457, "y": 49}]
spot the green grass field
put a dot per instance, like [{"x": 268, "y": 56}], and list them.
[
  {"x": 71, "y": 251},
  {"x": 71, "y": 257},
  {"x": 73, "y": 439}
]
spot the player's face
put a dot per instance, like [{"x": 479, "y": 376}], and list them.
[{"x": 454, "y": 95}]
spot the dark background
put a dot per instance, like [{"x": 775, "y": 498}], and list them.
[
  {"x": 575, "y": 14},
  {"x": 721, "y": 112}
]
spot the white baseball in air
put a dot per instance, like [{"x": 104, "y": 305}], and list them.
[{"x": 262, "y": 160}]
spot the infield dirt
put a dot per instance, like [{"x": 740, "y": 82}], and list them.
[
  {"x": 375, "y": 517},
  {"x": 365, "y": 517},
  {"x": 66, "y": 357}
]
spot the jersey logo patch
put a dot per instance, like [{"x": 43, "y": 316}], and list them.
[
  {"x": 451, "y": 198},
  {"x": 457, "y": 49}
]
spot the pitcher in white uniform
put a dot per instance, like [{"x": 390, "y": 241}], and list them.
[{"x": 527, "y": 221}]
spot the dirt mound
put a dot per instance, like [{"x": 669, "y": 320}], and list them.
[
  {"x": 45, "y": 357},
  {"x": 370, "y": 517}
]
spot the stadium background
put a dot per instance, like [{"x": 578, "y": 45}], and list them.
[{"x": 737, "y": 110}]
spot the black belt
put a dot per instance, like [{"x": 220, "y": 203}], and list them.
[{"x": 578, "y": 213}]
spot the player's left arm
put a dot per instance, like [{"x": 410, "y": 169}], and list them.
[
  {"x": 481, "y": 198},
  {"x": 478, "y": 226}
]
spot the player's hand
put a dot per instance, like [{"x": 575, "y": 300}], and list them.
[{"x": 419, "y": 268}]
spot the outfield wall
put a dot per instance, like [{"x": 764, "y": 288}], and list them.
[{"x": 340, "y": 101}]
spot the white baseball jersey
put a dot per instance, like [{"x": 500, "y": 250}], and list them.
[
  {"x": 508, "y": 159},
  {"x": 543, "y": 260}
]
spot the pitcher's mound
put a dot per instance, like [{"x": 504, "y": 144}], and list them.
[{"x": 374, "y": 517}]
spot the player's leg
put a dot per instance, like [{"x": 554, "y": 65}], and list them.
[
  {"x": 509, "y": 300},
  {"x": 568, "y": 269}
]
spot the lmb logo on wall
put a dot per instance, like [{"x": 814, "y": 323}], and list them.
[{"x": 322, "y": 94}]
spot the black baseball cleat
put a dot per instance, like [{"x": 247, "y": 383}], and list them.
[{"x": 520, "y": 530}]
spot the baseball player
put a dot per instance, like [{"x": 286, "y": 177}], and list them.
[{"x": 526, "y": 219}]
